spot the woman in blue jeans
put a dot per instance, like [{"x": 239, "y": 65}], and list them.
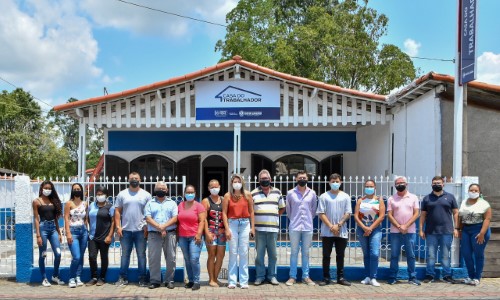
[
  {"x": 369, "y": 214},
  {"x": 75, "y": 224},
  {"x": 191, "y": 219},
  {"x": 474, "y": 220},
  {"x": 47, "y": 209}
]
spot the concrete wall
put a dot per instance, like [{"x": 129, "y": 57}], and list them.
[
  {"x": 417, "y": 137},
  {"x": 373, "y": 152},
  {"x": 483, "y": 144}
]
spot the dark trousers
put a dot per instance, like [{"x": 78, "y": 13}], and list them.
[
  {"x": 340, "y": 245},
  {"x": 102, "y": 248}
]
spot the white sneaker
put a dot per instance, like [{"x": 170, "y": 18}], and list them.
[
  {"x": 366, "y": 280},
  {"x": 57, "y": 280},
  {"x": 45, "y": 282},
  {"x": 374, "y": 282},
  {"x": 72, "y": 283},
  {"x": 78, "y": 282},
  {"x": 474, "y": 282},
  {"x": 467, "y": 281}
]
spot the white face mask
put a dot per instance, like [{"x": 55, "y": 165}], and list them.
[
  {"x": 473, "y": 195},
  {"x": 237, "y": 186},
  {"x": 215, "y": 191},
  {"x": 46, "y": 192},
  {"x": 101, "y": 198}
]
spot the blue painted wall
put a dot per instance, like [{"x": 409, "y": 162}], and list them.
[{"x": 250, "y": 140}]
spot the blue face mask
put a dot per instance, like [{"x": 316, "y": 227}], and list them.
[
  {"x": 189, "y": 197},
  {"x": 335, "y": 185},
  {"x": 369, "y": 190}
]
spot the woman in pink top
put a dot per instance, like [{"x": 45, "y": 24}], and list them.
[{"x": 191, "y": 219}]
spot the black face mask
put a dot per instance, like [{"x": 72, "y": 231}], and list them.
[
  {"x": 400, "y": 187},
  {"x": 265, "y": 183},
  {"x": 302, "y": 182},
  {"x": 134, "y": 183},
  {"x": 437, "y": 188},
  {"x": 78, "y": 194},
  {"x": 160, "y": 194}
]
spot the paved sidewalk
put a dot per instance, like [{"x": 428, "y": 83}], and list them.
[{"x": 489, "y": 289}]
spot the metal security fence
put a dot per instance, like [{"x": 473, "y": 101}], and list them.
[
  {"x": 114, "y": 186},
  {"x": 7, "y": 226},
  {"x": 354, "y": 186}
]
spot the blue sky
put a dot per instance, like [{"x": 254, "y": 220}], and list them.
[{"x": 58, "y": 49}]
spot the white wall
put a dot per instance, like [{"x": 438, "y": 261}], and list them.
[
  {"x": 417, "y": 137},
  {"x": 373, "y": 150}
]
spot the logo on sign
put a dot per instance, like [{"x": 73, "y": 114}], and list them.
[{"x": 234, "y": 94}]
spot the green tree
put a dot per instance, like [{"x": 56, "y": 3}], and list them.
[
  {"x": 27, "y": 142},
  {"x": 327, "y": 40}
]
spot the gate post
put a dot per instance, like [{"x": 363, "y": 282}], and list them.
[{"x": 24, "y": 229}]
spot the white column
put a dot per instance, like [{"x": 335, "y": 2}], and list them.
[
  {"x": 82, "y": 150},
  {"x": 237, "y": 149}
]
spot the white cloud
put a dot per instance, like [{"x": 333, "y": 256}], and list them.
[
  {"x": 488, "y": 68},
  {"x": 46, "y": 46},
  {"x": 142, "y": 21},
  {"x": 108, "y": 80},
  {"x": 411, "y": 47}
]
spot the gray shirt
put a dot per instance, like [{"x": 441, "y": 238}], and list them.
[
  {"x": 132, "y": 205},
  {"x": 334, "y": 207}
]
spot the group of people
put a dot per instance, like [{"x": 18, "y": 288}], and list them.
[{"x": 158, "y": 224}]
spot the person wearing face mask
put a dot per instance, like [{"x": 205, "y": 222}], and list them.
[
  {"x": 131, "y": 228},
  {"x": 47, "y": 209},
  {"x": 440, "y": 217},
  {"x": 268, "y": 207},
  {"x": 161, "y": 216},
  {"x": 301, "y": 205},
  {"x": 403, "y": 209},
  {"x": 75, "y": 223},
  {"x": 215, "y": 235},
  {"x": 191, "y": 218},
  {"x": 334, "y": 209},
  {"x": 369, "y": 214},
  {"x": 474, "y": 219},
  {"x": 239, "y": 221},
  {"x": 102, "y": 225}
]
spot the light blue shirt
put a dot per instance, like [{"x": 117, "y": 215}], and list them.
[
  {"x": 132, "y": 205},
  {"x": 334, "y": 207},
  {"x": 161, "y": 212},
  {"x": 301, "y": 209}
]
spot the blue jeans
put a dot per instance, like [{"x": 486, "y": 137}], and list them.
[
  {"x": 130, "y": 239},
  {"x": 265, "y": 240},
  {"x": 191, "y": 252},
  {"x": 370, "y": 245},
  {"x": 80, "y": 236},
  {"x": 472, "y": 252},
  {"x": 444, "y": 243},
  {"x": 408, "y": 240},
  {"x": 49, "y": 233},
  {"x": 238, "y": 248},
  {"x": 295, "y": 238}
]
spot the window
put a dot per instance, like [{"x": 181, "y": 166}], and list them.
[
  {"x": 291, "y": 164},
  {"x": 116, "y": 167},
  {"x": 332, "y": 164},
  {"x": 152, "y": 166},
  {"x": 260, "y": 162}
]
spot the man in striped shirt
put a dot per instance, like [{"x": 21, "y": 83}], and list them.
[{"x": 268, "y": 206}]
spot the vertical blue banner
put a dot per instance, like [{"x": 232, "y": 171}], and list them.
[{"x": 467, "y": 33}]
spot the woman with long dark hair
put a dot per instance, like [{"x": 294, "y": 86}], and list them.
[
  {"x": 47, "y": 209},
  {"x": 75, "y": 224}
]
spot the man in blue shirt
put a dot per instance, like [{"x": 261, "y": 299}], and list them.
[
  {"x": 161, "y": 216},
  {"x": 440, "y": 217}
]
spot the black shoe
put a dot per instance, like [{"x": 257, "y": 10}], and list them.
[
  {"x": 428, "y": 279},
  {"x": 325, "y": 281},
  {"x": 189, "y": 285},
  {"x": 342, "y": 281},
  {"x": 154, "y": 286},
  {"x": 196, "y": 286},
  {"x": 143, "y": 284},
  {"x": 449, "y": 279},
  {"x": 170, "y": 285}
]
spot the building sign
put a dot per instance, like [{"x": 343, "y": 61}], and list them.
[
  {"x": 237, "y": 101},
  {"x": 467, "y": 40}
]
